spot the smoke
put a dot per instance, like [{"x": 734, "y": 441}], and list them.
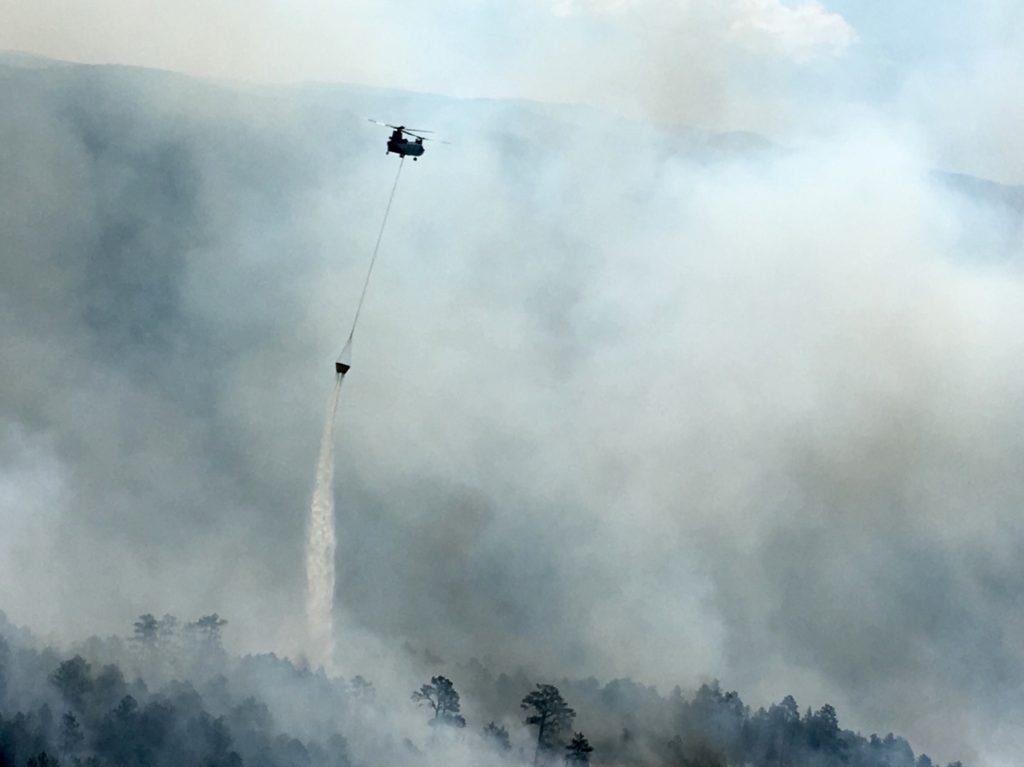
[
  {"x": 682, "y": 408},
  {"x": 268, "y": 711},
  {"x": 321, "y": 544}
]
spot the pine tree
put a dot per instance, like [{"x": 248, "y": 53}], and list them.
[
  {"x": 71, "y": 736},
  {"x": 497, "y": 736},
  {"x": 579, "y": 750},
  {"x": 442, "y": 698},
  {"x": 552, "y": 715}
]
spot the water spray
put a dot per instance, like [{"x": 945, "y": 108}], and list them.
[{"x": 321, "y": 542}]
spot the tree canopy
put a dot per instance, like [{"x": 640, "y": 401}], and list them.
[
  {"x": 551, "y": 715},
  {"x": 443, "y": 700}
]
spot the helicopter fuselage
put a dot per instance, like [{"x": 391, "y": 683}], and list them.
[{"x": 403, "y": 147}]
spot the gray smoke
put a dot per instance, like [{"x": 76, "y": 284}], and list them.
[{"x": 671, "y": 405}]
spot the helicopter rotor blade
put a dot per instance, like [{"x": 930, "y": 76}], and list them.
[
  {"x": 438, "y": 140},
  {"x": 410, "y": 131},
  {"x": 417, "y": 134},
  {"x": 399, "y": 127}
]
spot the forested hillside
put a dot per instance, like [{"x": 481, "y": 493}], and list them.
[{"x": 168, "y": 694}]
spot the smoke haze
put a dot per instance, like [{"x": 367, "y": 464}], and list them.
[{"x": 635, "y": 401}]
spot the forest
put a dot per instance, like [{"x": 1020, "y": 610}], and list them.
[{"x": 169, "y": 693}]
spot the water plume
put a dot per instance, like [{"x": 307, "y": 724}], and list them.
[{"x": 320, "y": 544}]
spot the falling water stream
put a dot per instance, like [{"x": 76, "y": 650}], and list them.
[{"x": 320, "y": 544}]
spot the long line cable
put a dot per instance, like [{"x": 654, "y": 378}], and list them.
[{"x": 376, "y": 249}]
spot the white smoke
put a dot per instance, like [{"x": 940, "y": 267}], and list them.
[{"x": 320, "y": 545}]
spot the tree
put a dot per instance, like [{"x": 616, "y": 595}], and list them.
[
  {"x": 5, "y": 656},
  {"x": 109, "y": 687},
  {"x": 579, "y": 750},
  {"x": 119, "y": 738},
  {"x": 42, "y": 759},
  {"x": 337, "y": 752},
  {"x": 361, "y": 689},
  {"x": 497, "y": 737},
  {"x": 73, "y": 680},
  {"x": 147, "y": 631},
  {"x": 127, "y": 710},
  {"x": 208, "y": 628},
  {"x": 823, "y": 733},
  {"x": 551, "y": 715},
  {"x": 441, "y": 696},
  {"x": 71, "y": 736},
  {"x": 716, "y": 719},
  {"x": 166, "y": 628}
]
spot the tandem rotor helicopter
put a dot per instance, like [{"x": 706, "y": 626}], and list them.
[{"x": 400, "y": 145}]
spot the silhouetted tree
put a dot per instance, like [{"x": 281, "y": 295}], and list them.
[
  {"x": 116, "y": 739},
  {"x": 73, "y": 680},
  {"x": 442, "y": 698},
  {"x": 551, "y": 715},
  {"x": 772, "y": 736},
  {"x": 579, "y": 750},
  {"x": 497, "y": 737},
  {"x": 209, "y": 742},
  {"x": 45, "y": 716},
  {"x": 167, "y": 627},
  {"x": 109, "y": 687},
  {"x": 290, "y": 752},
  {"x": 823, "y": 732},
  {"x": 71, "y": 736},
  {"x": 250, "y": 715},
  {"x": 147, "y": 631},
  {"x": 5, "y": 659},
  {"x": 42, "y": 759},
  {"x": 337, "y": 752},
  {"x": 208, "y": 628},
  {"x": 891, "y": 750},
  {"x": 697, "y": 755},
  {"x": 715, "y": 719},
  {"x": 360, "y": 689}
]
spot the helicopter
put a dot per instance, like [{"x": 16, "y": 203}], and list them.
[{"x": 402, "y": 146}]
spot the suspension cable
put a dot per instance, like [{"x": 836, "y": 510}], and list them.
[{"x": 376, "y": 249}]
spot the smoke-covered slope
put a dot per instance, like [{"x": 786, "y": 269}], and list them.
[{"x": 170, "y": 695}]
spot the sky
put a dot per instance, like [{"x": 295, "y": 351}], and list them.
[
  {"x": 637, "y": 400},
  {"x": 766, "y": 66}
]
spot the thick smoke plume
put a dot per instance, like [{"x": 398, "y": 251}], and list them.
[{"x": 686, "y": 405}]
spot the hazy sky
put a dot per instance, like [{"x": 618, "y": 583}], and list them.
[
  {"x": 623, "y": 402},
  {"x": 767, "y": 66}
]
